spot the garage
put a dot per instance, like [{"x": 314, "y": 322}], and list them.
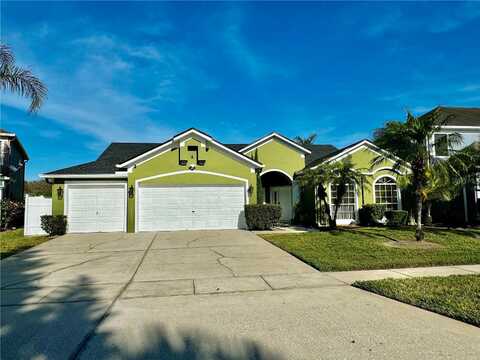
[
  {"x": 96, "y": 207},
  {"x": 190, "y": 207}
]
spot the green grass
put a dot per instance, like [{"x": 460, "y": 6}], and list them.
[
  {"x": 456, "y": 296},
  {"x": 13, "y": 241},
  {"x": 365, "y": 248}
]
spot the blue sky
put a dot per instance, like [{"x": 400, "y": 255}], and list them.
[{"x": 145, "y": 71}]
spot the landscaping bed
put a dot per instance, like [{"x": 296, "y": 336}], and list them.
[
  {"x": 455, "y": 296},
  {"x": 380, "y": 248},
  {"x": 13, "y": 241}
]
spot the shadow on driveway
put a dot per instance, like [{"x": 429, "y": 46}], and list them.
[{"x": 58, "y": 322}]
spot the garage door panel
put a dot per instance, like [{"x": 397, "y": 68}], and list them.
[
  {"x": 96, "y": 208},
  {"x": 195, "y": 207}
]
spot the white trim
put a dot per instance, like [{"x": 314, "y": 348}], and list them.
[
  {"x": 93, "y": 183},
  {"x": 8, "y": 134},
  {"x": 460, "y": 127},
  {"x": 132, "y": 161},
  {"x": 138, "y": 181},
  {"x": 363, "y": 144},
  {"x": 399, "y": 193},
  {"x": 118, "y": 175},
  {"x": 280, "y": 171},
  {"x": 180, "y": 136},
  {"x": 389, "y": 168},
  {"x": 150, "y": 158},
  {"x": 269, "y": 136}
]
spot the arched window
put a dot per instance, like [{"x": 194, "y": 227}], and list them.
[{"x": 386, "y": 193}]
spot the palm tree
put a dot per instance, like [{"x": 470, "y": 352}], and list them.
[
  {"x": 410, "y": 141},
  {"x": 305, "y": 140},
  {"x": 339, "y": 174},
  {"x": 318, "y": 179},
  {"x": 343, "y": 175},
  {"x": 20, "y": 81}
]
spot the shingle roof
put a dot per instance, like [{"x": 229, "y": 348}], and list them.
[
  {"x": 114, "y": 154},
  {"x": 117, "y": 153},
  {"x": 456, "y": 116},
  {"x": 327, "y": 155}
]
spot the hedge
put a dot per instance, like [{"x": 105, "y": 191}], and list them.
[
  {"x": 54, "y": 224},
  {"x": 371, "y": 214},
  {"x": 262, "y": 216},
  {"x": 12, "y": 213},
  {"x": 396, "y": 217}
]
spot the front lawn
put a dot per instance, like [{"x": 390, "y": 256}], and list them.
[
  {"x": 13, "y": 241},
  {"x": 456, "y": 296},
  {"x": 379, "y": 248}
]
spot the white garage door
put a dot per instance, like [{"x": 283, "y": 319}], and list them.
[
  {"x": 96, "y": 208},
  {"x": 190, "y": 208}
]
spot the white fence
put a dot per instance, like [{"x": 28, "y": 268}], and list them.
[{"x": 36, "y": 206}]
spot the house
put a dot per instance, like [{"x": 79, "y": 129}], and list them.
[
  {"x": 466, "y": 122},
  {"x": 13, "y": 158},
  {"x": 193, "y": 181}
]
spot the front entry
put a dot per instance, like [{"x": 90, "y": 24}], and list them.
[{"x": 282, "y": 195}]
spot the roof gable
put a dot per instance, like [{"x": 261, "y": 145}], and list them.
[
  {"x": 177, "y": 139},
  {"x": 341, "y": 154},
  {"x": 275, "y": 135}
]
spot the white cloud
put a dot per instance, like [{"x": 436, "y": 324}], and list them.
[{"x": 109, "y": 88}]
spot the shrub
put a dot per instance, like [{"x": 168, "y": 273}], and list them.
[
  {"x": 54, "y": 224},
  {"x": 11, "y": 214},
  {"x": 371, "y": 214},
  {"x": 262, "y": 217},
  {"x": 396, "y": 217}
]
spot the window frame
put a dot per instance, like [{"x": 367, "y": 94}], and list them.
[{"x": 398, "y": 192}]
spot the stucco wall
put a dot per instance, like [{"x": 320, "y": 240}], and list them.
[
  {"x": 276, "y": 154},
  {"x": 221, "y": 167}
]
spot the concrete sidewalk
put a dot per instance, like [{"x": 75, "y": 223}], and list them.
[{"x": 349, "y": 277}]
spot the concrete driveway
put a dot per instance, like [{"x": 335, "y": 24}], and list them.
[{"x": 202, "y": 295}]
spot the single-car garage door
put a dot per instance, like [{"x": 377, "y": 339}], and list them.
[
  {"x": 190, "y": 207},
  {"x": 96, "y": 207}
]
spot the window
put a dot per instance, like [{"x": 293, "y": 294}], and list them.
[
  {"x": 346, "y": 210},
  {"x": 440, "y": 143},
  {"x": 386, "y": 193}
]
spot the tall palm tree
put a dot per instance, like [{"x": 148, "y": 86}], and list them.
[
  {"x": 410, "y": 142},
  {"x": 20, "y": 81},
  {"x": 308, "y": 140}
]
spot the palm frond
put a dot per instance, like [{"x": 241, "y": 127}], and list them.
[
  {"x": 24, "y": 83},
  {"x": 6, "y": 56}
]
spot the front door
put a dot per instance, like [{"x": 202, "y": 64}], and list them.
[{"x": 282, "y": 195}]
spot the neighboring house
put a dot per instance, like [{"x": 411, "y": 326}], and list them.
[
  {"x": 13, "y": 158},
  {"x": 466, "y": 122},
  {"x": 193, "y": 181}
]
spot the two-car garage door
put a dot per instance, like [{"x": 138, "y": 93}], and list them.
[{"x": 190, "y": 207}]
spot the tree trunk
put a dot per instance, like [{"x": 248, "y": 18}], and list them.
[
  {"x": 419, "y": 235},
  {"x": 331, "y": 223},
  {"x": 428, "y": 217}
]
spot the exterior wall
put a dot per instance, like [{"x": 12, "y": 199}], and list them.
[
  {"x": 11, "y": 157},
  {"x": 158, "y": 171},
  {"x": 57, "y": 204},
  {"x": 275, "y": 154},
  {"x": 362, "y": 160}
]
